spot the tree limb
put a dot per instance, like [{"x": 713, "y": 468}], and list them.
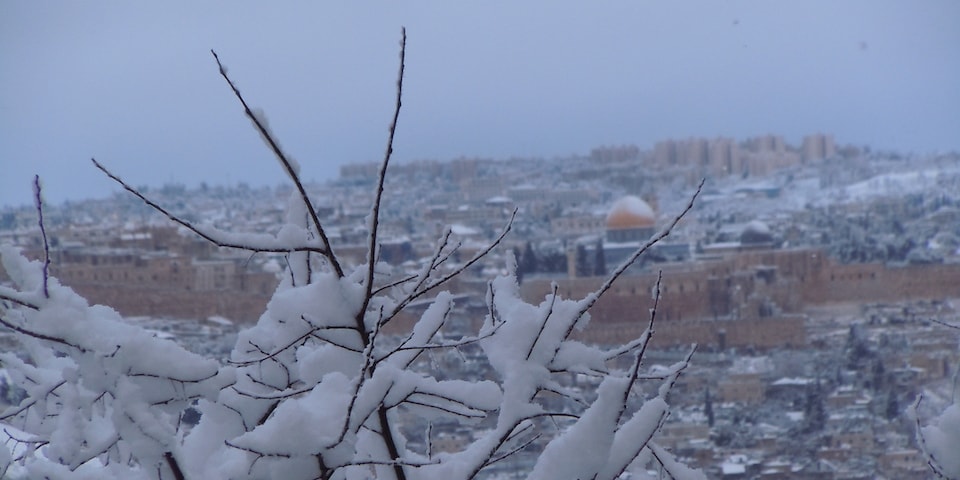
[
  {"x": 212, "y": 237},
  {"x": 287, "y": 165}
]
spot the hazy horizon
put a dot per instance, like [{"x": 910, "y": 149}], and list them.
[{"x": 135, "y": 86}]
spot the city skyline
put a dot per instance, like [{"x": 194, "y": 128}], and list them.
[{"x": 135, "y": 86}]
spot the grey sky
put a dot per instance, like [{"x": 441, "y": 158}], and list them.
[{"x": 133, "y": 83}]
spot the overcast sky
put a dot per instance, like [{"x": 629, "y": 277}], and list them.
[{"x": 134, "y": 85}]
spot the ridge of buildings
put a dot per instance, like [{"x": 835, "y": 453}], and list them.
[
  {"x": 788, "y": 250},
  {"x": 120, "y": 253}
]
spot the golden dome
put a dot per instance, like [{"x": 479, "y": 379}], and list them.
[{"x": 630, "y": 212}]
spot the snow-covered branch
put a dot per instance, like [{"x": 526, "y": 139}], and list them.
[
  {"x": 291, "y": 168},
  {"x": 317, "y": 388},
  {"x": 286, "y": 241}
]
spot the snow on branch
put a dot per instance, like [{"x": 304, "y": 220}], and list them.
[
  {"x": 97, "y": 389},
  {"x": 290, "y": 166},
  {"x": 254, "y": 242},
  {"x": 38, "y": 199},
  {"x": 374, "y": 225},
  {"x": 938, "y": 440}
]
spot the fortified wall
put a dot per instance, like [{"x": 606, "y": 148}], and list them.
[{"x": 744, "y": 299}]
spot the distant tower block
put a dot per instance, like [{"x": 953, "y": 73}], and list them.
[{"x": 817, "y": 147}]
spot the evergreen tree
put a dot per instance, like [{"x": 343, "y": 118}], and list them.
[
  {"x": 708, "y": 408},
  {"x": 892, "y": 409},
  {"x": 528, "y": 262},
  {"x": 552, "y": 262},
  {"x": 879, "y": 373},
  {"x": 814, "y": 410},
  {"x": 857, "y": 348},
  {"x": 599, "y": 260},
  {"x": 520, "y": 271},
  {"x": 583, "y": 264}
]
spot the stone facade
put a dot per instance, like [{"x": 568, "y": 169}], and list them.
[{"x": 745, "y": 299}]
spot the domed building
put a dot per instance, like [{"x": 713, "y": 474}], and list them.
[
  {"x": 630, "y": 220},
  {"x": 756, "y": 234},
  {"x": 630, "y": 223}
]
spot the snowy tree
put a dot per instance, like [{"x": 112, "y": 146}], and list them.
[
  {"x": 599, "y": 259},
  {"x": 939, "y": 438},
  {"x": 814, "y": 410},
  {"x": 528, "y": 260},
  {"x": 708, "y": 407},
  {"x": 315, "y": 389}
]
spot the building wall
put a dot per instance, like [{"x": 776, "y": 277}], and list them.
[
  {"x": 177, "y": 303},
  {"x": 701, "y": 157},
  {"x": 789, "y": 331},
  {"x": 874, "y": 282},
  {"x": 751, "y": 298},
  {"x": 817, "y": 147},
  {"x": 576, "y": 225}
]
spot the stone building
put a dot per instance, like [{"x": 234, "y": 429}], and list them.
[{"x": 750, "y": 298}]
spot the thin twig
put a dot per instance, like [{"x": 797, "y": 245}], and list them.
[
  {"x": 372, "y": 247},
  {"x": 40, "y": 336},
  {"x": 10, "y": 298},
  {"x": 43, "y": 232},
  {"x": 390, "y": 285},
  {"x": 514, "y": 450},
  {"x": 204, "y": 235},
  {"x": 932, "y": 462},
  {"x": 429, "y": 440},
  {"x": 287, "y": 165},
  {"x": 365, "y": 371},
  {"x": 437, "y": 346},
  {"x": 945, "y": 324},
  {"x": 33, "y": 401},
  {"x": 279, "y": 396},
  {"x": 408, "y": 401},
  {"x": 375, "y": 212},
  {"x": 404, "y": 344},
  {"x": 635, "y": 369},
  {"x": 546, "y": 319},
  {"x": 276, "y": 352},
  {"x": 446, "y": 278}
]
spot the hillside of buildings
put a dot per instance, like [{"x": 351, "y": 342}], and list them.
[{"x": 817, "y": 279}]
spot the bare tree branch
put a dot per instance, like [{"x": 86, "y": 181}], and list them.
[
  {"x": 287, "y": 165},
  {"x": 945, "y": 324},
  {"x": 40, "y": 336},
  {"x": 14, "y": 296},
  {"x": 43, "y": 233},
  {"x": 366, "y": 371},
  {"x": 214, "y": 237},
  {"x": 438, "y": 346},
  {"x": 635, "y": 369},
  {"x": 546, "y": 318},
  {"x": 174, "y": 466},
  {"x": 514, "y": 450},
  {"x": 426, "y": 287},
  {"x": 932, "y": 461},
  {"x": 375, "y": 212}
]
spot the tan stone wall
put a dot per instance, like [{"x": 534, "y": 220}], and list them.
[
  {"x": 700, "y": 299},
  {"x": 872, "y": 282},
  {"x": 238, "y": 306},
  {"x": 759, "y": 333}
]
